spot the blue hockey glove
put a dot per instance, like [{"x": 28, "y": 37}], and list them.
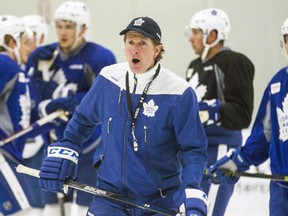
[
  {"x": 49, "y": 106},
  {"x": 195, "y": 204},
  {"x": 223, "y": 170},
  {"x": 209, "y": 111},
  {"x": 59, "y": 165},
  {"x": 46, "y": 88}
]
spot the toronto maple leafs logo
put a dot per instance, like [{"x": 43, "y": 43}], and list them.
[
  {"x": 139, "y": 22},
  {"x": 199, "y": 89},
  {"x": 283, "y": 120},
  {"x": 149, "y": 109}
]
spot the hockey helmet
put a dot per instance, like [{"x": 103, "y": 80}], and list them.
[
  {"x": 38, "y": 25},
  {"x": 73, "y": 11},
  {"x": 211, "y": 19},
  {"x": 13, "y": 26},
  {"x": 10, "y": 25},
  {"x": 284, "y": 38}
]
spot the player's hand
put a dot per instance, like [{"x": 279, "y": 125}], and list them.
[
  {"x": 222, "y": 171},
  {"x": 59, "y": 165},
  {"x": 209, "y": 111},
  {"x": 195, "y": 203},
  {"x": 67, "y": 104},
  {"x": 46, "y": 89}
]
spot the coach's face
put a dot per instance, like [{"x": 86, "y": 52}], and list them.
[{"x": 140, "y": 52}]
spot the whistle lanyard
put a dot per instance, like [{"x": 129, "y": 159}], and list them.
[{"x": 139, "y": 106}]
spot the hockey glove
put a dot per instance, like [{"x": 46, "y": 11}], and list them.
[
  {"x": 46, "y": 89},
  {"x": 49, "y": 106},
  {"x": 60, "y": 164},
  {"x": 209, "y": 111},
  {"x": 223, "y": 170},
  {"x": 195, "y": 204}
]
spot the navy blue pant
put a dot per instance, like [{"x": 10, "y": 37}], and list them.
[
  {"x": 167, "y": 199},
  {"x": 278, "y": 205}
]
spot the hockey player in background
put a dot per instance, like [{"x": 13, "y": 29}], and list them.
[
  {"x": 36, "y": 33},
  {"x": 154, "y": 145},
  {"x": 62, "y": 74},
  {"x": 223, "y": 82},
  {"x": 16, "y": 195},
  {"x": 268, "y": 139},
  {"x": 39, "y": 28}
]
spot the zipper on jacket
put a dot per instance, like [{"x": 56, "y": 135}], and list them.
[
  {"x": 108, "y": 125},
  {"x": 145, "y": 134}
]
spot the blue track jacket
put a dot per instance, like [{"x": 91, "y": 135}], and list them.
[{"x": 172, "y": 142}]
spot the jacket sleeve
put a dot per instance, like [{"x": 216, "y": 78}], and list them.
[
  {"x": 256, "y": 148},
  {"x": 191, "y": 139}
]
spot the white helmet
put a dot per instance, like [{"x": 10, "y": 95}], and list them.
[
  {"x": 284, "y": 31},
  {"x": 13, "y": 26},
  {"x": 38, "y": 25},
  {"x": 208, "y": 20},
  {"x": 73, "y": 11}
]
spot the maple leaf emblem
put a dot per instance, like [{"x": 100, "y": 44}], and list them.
[
  {"x": 150, "y": 108},
  {"x": 139, "y": 22},
  {"x": 200, "y": 90},
  {"x": 283, "y": 120}
]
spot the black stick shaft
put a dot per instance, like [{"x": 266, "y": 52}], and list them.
[
  {"x": 99, "y": 192},
  {"x": 264, "y": 176}
]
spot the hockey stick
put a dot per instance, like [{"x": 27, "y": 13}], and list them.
[
  {"x": 254, "y": 175},
  {"x": 99, "y": 192},
  {"x": 263, "y": 176},
  {"x": 57, "y": 114}
]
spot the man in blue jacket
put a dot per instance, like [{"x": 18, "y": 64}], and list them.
[{"x": 153, "y": 144}]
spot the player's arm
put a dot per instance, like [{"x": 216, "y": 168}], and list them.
[
  {"x": 254, "y": 152},
  {"x": 237, "y": 107}
]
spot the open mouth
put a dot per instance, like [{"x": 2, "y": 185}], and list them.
[{"x": 135, "y": 61}]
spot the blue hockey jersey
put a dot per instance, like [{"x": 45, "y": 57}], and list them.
[
  {"x": 78, "y": 70},
  {"x": 170, "y": 136},
  {"x": 15, "y": 104},
  {"x": 269, "y": 136}
]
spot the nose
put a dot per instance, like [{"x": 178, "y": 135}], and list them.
[{"x": 135, "y": 49}]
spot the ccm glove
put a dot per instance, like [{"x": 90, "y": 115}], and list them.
[
  {"x": 59, "y": 165},
  {"x": 223, "y": 170},
  {"x": 209, "y": 111},
  {"x": 195, "y": 204}
]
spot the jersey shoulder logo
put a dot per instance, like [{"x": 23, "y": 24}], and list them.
[
  {"x": 275, "y": 87},
  {"x": 149, "y": 109},
  {"x": 283, "y": 120}
]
